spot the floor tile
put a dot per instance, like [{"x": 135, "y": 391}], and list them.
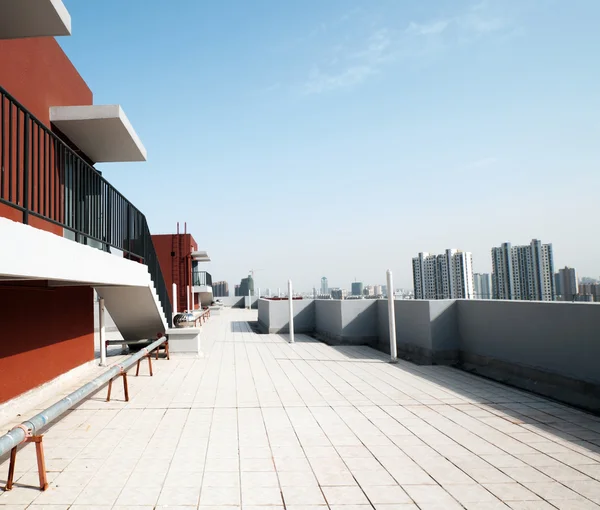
[
  {"x": 302, "y": 496},
  {"x": 345, "y": 496}
]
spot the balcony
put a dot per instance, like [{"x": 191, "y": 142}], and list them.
[
  {"x": 46, "y": 184},
  {"x": 201, "y": 279},
  {"x": 33, "y": 18}
]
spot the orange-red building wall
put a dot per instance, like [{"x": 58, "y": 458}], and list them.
[
  {"x": 44, "y": 333},
  {"x": 38, "y": 74},
  {"x": 182, "y": 245}
]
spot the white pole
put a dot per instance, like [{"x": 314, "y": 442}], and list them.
[
  {"x": 174, "y": 299},
  {"x": 258, "y": 293},
  {"x": 102, "y": 332},
  {"x": 249, "y": 300},
  {"x": 392, "y": 317},
  {"x": 291, "y": 303},
  {"x": 188, "y": 297},
  {"x": 278, "y": 291}
]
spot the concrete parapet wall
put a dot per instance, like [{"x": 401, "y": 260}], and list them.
[
  {"x": 237, "y": 301},
  {"x": 273, "y": 316},
  {"x": 551, "y": 348}
]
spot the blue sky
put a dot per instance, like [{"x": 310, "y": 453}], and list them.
[{"x": 341, "y": 137}]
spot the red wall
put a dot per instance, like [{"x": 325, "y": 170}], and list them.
[
  {"x": 163, "y": 244},
  {"x": 39, "y": 75},
  {"x": 44, "y": 333}
]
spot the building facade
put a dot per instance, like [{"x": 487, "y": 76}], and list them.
[
  {"x": 445, "y": 276},
  {"x": 523, "y": 272},
  {"x": 71, "y": 233},
  {"x": 566, "y": 284},
  {"x": 357, "y": 288},
  {"x": 482, "y": 286},
  {"x": 324, "y": 286},
  {"x": 246, "y": 287},
  {"x": 221, "y": 289}
]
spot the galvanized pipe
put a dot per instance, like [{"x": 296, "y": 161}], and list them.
[{"x": 33, "y": 426}]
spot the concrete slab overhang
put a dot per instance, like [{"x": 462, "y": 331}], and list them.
[
  {"x": 33, "y": 18},
  {"x": 200, "y": 256},
  {"x": 102, "y": 132}
]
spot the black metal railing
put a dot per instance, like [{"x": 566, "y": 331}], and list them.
[
  {"x": 41, "y": 176},
  {"x": 201, "y": 278}
]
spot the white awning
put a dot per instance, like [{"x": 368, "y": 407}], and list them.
[
  {"x": 200, "y": 256},
  {"x": 102, "y": 132},
  {"x": 33, "y": 18}
]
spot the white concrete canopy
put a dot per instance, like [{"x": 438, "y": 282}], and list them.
[
  {"x": 102, "y": 132},
  {"x": 33, "y": 18},
  {"x": 200, "y": 256}
]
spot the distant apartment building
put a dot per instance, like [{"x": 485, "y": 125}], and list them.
[
  {"x": 221, "y": 289},
  {"x": 324, "y": 286},
  {"x": 357, "y": 288},
  {"x": 482, "y": 286},
  {"x": 589, "y": 292},
  {"x": 378, "y": 290},
  {"x": 523, "y": 272},
  {"x": 369, "y": 291},
  {"x": 246, "y": 286},
  {"x": 566, "y": 284},
  {"x": 236, "y": 291},
  {"x": 445, "y": 276},
  {"x": 338, "y": 293}
]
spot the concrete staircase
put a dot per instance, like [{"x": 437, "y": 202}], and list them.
[
  {"x": 136, "y": 311},
  {"x": 128, "y": 291}
]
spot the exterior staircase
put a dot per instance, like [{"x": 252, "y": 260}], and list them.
[{"x": 126, "y": 286}]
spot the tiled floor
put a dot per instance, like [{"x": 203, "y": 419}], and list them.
[{"x": 261, "y": 424}]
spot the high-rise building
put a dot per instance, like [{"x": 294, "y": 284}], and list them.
[
  {"x": 324, "y": 286},
  {"x": 502, "y": 280},
  {"x": 523, "y": 272},
  {"x": 378, "y": 290},
  {"x": 589, "y": 292},
  {"x": 445, "y": 276},
  {"x": 357, "y": 288},
  {"x": 246, "y": 286},
  {"x": 369, "y": 291},
  {"x": 237, "y": 291},
  {"x": 337, "y": 294},
  {"x": 482, "y": 286},
  {"x": 220, "y": 289},
  {"x": 566, "y": 284}
]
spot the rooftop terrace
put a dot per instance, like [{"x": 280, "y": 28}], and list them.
[{"x": 260, "y": 423}]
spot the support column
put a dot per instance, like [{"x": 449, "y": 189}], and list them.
[
  {"x": 392, "y": 317},
  {"x": 102, "y": 332},
  {"x": 291, "y": 303}
]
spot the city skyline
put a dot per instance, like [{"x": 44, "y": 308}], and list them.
[{"x": 332, "y": 100}]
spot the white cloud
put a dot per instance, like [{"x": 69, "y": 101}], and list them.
[
  {"x": 352, "y": 66},
  {"x": 431, "y": 28}
]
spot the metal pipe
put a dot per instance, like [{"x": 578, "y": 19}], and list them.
[
  {"x": 392, "y": 317},
  {"x": 33, "y": 426},
  {"x": 102, "y": 332},
  {"x": 291, "y": 303}
]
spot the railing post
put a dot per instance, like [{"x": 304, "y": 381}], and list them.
[
  {"x": 174, "y": 299},
  {"x": 392, "y": 317},
  {"x": 102, "y": 332},
  {"x": 291, "y": 305},
  {"x": 188, "y": 297},
  {"x": 25, "y": 169}
]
